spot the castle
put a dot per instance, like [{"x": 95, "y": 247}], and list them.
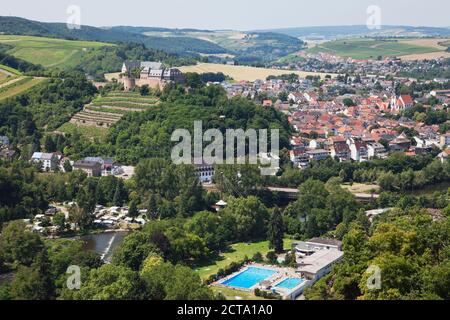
[{"x": 153, "y": 74}]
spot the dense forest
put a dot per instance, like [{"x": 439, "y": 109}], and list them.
[
  {"x": 410, "y": 248},
  {"x": 97, "y": 62},
  {"x": 184, "y": 46}
]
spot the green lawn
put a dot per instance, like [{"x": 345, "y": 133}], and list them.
[
  {"x": 370, "y": 48},
  {"x": 237, "y": 253},
  {"x": 48, "y": 52},
  {"x": 87, "y": 131},
  {"x": 232, "y": 294}
]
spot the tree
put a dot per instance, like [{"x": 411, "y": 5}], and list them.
[
  {"x": 206, "y": 225},
  {"x": 59, "y": 220},
  {"x": 152, "y": 261},
  {"x": 49, "y": 144},
  {"x": 135, "y": 248},
  {"x": 111, "y": 282},
  {"x": 168, "y": 282},
  {"x": 118, "y": 198},
  {"x": 80, "y": 217},
  {"x": 250, "y": 216},
  {"x": 144, "y": 90},
  {"x": 271, "y": 257},
  {"x": 67, "y": 166},
  {"x": 133, "y": 211},
  {"x": 348, "y": 102},
  {"x": 19, "y": 246},
  {"x": 35, "y": 282},
  {"x": 152, "y": 207},
  {"x": 275, "y": 231}
]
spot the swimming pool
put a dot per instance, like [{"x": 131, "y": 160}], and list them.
[
  {"x": 249, "y": 277},
  {"x": 290, "y": 283}
]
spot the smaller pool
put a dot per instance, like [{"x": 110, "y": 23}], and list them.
[{"x": 290, "y": 283}]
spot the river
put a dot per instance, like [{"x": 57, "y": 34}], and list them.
[{"x": 103, "y": 243}]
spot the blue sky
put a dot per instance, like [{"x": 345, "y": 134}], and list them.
[{"x": 234, "y": 14}]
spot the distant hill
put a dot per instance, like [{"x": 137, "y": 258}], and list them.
[
  {"x": 333, "y": 32},
  {"x": 181, "y": 45},
  {"x": 246, "y": 47}
]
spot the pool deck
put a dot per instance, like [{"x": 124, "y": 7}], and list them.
[{"x": 270, "y": 282}]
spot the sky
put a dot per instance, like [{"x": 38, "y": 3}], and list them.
[{"x": 233, "y": 14}]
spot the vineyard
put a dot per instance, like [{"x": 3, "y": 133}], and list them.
[
  {"x": 15, "y": 85},
  {"x": 105, "y": 111}
]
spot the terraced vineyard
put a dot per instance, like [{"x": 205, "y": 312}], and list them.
[
  {"x": 16, "y": 85},
  {"x": 105, "y": 111}
]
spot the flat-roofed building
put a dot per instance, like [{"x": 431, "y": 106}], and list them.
[
  {"x": 318, "y": 264},
  {"x": 316, "y": 244}
]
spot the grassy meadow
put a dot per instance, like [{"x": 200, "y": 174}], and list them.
[
  {"x": 48, "y": 52},
  {"x": 372, "y": 48}
]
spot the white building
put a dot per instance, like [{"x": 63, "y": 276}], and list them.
[
  {"x": 358, "y": 150},
  {"x": 376, "y": 149},
  {"x": 318, "y": 154},
  {"x": 49, "y": 161},
  {"x": 318, "y": 264}
]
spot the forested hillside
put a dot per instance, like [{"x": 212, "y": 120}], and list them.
[{"x": 182, "y": 45}]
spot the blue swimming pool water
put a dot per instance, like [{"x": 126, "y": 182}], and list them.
[
  {"x": 290, "y": 283},
  {"x": 248, "y": 278}
]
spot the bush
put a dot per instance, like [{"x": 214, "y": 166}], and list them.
[
  {"x": 272, "y": 257},
  {"x": 258, "y": 257}
]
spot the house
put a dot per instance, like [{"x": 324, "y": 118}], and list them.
[
  {"x": 267, "y": 103},
  {"x": 4, "y": 141},
  {"x": 339, "y": 148},
  {"x": 445, "y": 140},
  {"x": 317, "y": 154},
  {"x": 107, "y": 164},
  {"x": 295, "y": 97},
  {"x": 204, "y": 172},
  {"x": 49, "y": 161},
  {"x": 299, "y": 157},
  {"x": 375, "y": 149},
  {"x": 444, "y": 155},
  {"x": 358, "y": 149},
  {"x": 91, "y": 168},
  {"x": 401, "y": 143},
  {"x": 7, "y": 154}
]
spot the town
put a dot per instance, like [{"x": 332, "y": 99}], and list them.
[{"x": 187, "y": 157}]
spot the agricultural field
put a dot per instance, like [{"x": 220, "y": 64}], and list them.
[
  {"x": 105, "y": 111},
  {"x": 48, "y": 52},
  {"x": 244, "y": 73},
  {"x": 8, "y": 70},
  {"x": 17, "y": 85},
  {"x": 373, "y": 48}
]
